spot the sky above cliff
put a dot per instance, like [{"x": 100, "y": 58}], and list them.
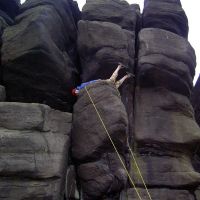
[{"x": 191, "y": 8}]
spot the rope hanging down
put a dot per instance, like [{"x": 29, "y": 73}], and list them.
[
  {"x": 115, "y": 148},
  {"x": 140, "y": 173}
]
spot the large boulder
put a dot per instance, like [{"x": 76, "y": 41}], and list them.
[
  {"x": 89, "y": 138},
  {"x": 43, "y": 69},
  {"x": 102, "y": 45},
  {"x": 166, "y": 14},
  {"x": 34, "y": 152},
  {"x": 103, "y": 178},
  {"x": 115, "y": 11},
  {"x": 98, "y": 166},
  {"x": 170, "y": 45},
  {"x": 164, "y": 167},
  {"x": 164, "y": 117},
  {"x": 165, "y": 131}
]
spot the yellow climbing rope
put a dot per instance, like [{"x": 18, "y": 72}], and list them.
[{"x": 139, "y": 171}]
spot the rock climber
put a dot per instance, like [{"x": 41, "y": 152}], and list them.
[{"x": 112, "y": 79}]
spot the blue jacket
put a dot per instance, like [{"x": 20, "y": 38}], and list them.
[{"x": 85, "y": 84}]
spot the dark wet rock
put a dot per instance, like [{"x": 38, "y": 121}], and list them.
[
  {"x": 10, "y": 7},
  {"x": 165, "y": 14},
  {"x": 170, "y": 45},
  {"x": 43, "y": 69},
  {"x": 103, "y": 177},
  {"x": 33, "y": 153},
  {"x": 18, "y": 189},
  {"x": 162, "y": 193},
  {"x": 102, "y": 45},
  {"x": 89, "y": 139},
  {"x": 98, "y": 166},
  {"x": 115, "y": 11},
  {"x": 2, "y": 93},
  {"x": 164, "y": 116},
  {"x": 160, "y": 70}
]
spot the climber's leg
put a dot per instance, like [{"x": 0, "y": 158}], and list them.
[
  {"x": 119, "y": 83},
  {"x": 115, "y": 73}
]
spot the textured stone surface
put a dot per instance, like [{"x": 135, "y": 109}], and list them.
[
  {"x": 2, "y": 93},
  {"x": 164, "y": 194},
  {"x": 164, "y": 116},
  {"x": 89, "y": 138},
  {"x": 103, "y": 177},
  {"x": 43, "y": 69},
  {"x": 13, "y": 189},
  {"x": 98, "y": 166},
  {"x": 102, "y": 45},
  {"x": 34, "y": 150},
  {"x": 165, "y": 130},
  {"x": 165, "y": 170},
  {"x": 170, "y": 45},
  {"x": 115, "y": 11},
  {"x": 10, "y": 7},
  {"x": 167, "y": 15}
]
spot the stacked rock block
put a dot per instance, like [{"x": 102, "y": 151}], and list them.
[
  {"x": 39, "y": 54},
  {"x": 34, "y": 151},
  {"x": 8, "y": 10},
  {"x": 165, "y": 130},
  {"x": 99, "y": 170},
  {"x": 106, "y": 36},
  {"x": 166, "y": 14}
]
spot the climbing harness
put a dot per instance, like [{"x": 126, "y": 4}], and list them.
[{"x": 118, "y": 154}]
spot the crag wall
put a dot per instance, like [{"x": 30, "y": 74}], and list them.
[{"x": 52, "y": 145}]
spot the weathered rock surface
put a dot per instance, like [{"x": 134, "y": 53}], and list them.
[
  {"x": 102, "y": 178},
  {"x": 164, "y": 194},
  {"x": 2, "y": 93},
  {"x": 98, "y": 166},
  {"x": 165, "y": 130},
  {"x": 170, "y": 45},
  {"x": 43, "y": 69},
  {"x": 165, "y": 170},
  {"x": 102, "y": 45},
  {"x": 10, "y": 7},
  {"x": 164, "y": 116},
  {"x": 167, "y": 15},
  {"x": 115, "y": 11},
  {"x": 33, "y": 151}
]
